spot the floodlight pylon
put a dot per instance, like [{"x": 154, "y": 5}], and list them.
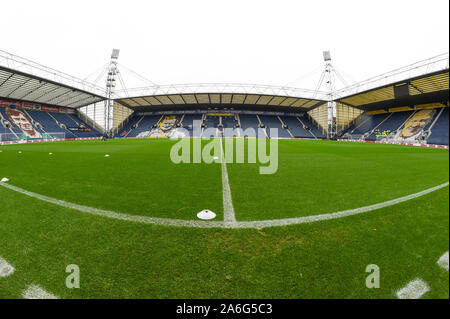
[
  {"x": 328, "y": 75},
  {"x": 110, "y": 89}
]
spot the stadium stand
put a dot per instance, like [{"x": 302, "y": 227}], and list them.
[
  {"x": 391, "y": 123},
  {"x": 315, "y": 132},
  {"x": 45, "y": 124},
  {"x": 229, "y": 123},
  {"x": 439, "y": 132},
  {"x": 80, "y": 123},
  {"x": 131, "y": 125},
  {"x": 296, "y": 127},
  {"x": 237, "y": 124},
  {"x": 248, "y": 121},
  {"x": 188, "y": 122},
  {"x": 274, "y": 122},
  {"x": 424, "y": 126},
  {"x": 12, "y": 128},
  {"x": 49, "y": 123},
  {"x": 211, "y": 122},
  {"x": 145, "y": 125}
]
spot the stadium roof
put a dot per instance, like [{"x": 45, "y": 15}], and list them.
[
  {"x": 219, "y": 94},
  {"x": 422, "y": 82},
  {"x": 22, "y": 79}
]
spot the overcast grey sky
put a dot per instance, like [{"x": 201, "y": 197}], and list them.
[{"x": 243, "y": 41}]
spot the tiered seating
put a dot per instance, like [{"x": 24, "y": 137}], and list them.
[
  {"x": 229, "y": 122},
  {"x": 392, "y": 124},
  {"x": 273, "y": 122},
  {"x": 13, "y": 127},
  {"x": 249, "y": 121},
  {"x": 211, "y": 122},
  {"x": 246, "y": 120},
  {"x": 439, "y": 132},
  {"x": 364, "y": 124},
  {"x": 129, "y": 126},
  {"x": 145, "y": 125},
  {"x": 296, "y": 127},
  {"x": 188, "y": 121},
  {"x": 78, "y": 121},
  {"x": 436, "y": 114},
  {"x": 314, "y": 130},
  {"x": 49, "y": 124}
]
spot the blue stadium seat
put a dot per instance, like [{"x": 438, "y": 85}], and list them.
[{"x": 439, "y": 132}]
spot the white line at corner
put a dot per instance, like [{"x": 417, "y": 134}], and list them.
[
  {"x": 5, "y": 268},
  {"x": 228, "y": 209},
  {"x": 413, "y": 290},
  {"x": 36, "y": 292},
  {"x": 221, "y": 224},
  {"x": 443, "y": 261}
]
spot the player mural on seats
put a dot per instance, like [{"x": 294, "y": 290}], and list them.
[
  {"x": 414, "y": 126},
  {"x": 18, "y": 118}
]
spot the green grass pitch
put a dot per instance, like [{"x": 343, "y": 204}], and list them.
[{"x": 125, "y": 259}]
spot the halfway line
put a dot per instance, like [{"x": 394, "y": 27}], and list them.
[{"x": 228, "y": 209}]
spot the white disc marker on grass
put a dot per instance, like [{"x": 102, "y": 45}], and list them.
[
  {"x": 5, "y": 268},
  {"x": 4, "y": 180},
  {"x": 206, "y": 214},
  {"x": 107, "y": 155}
]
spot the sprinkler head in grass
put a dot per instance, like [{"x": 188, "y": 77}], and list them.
[
  {"x": 206, "y": 214},
  {"x": 4, "y": 180}
]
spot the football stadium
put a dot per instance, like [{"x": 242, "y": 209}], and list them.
[
  {"x": 172, "y": 201},
  {"x": 223, "y": 190}
]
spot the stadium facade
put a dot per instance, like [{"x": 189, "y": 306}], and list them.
[{"x": 408, "y": 105}]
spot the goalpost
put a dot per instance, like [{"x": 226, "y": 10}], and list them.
[{"x": 21, "y": 137}]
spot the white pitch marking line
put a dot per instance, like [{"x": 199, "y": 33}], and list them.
[
  {"x": 413, "y": 290},
  {"x": 228, "y": 209},
  {"x": 443, "y": 261},
  {"x": 36, "y": 292},
  {"x": 5, "y": 268},
  {"x": 218, "y": 224}
]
